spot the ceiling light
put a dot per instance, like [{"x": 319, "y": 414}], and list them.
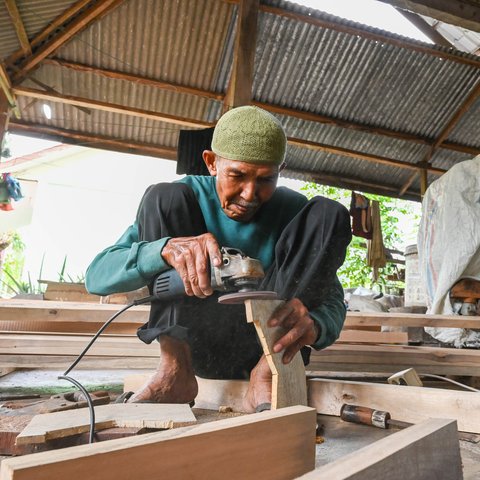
[{"x": 47, "y": 111}]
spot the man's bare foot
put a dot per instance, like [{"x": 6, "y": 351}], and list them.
[
  {"x": 174, "y": 380},
  {"x": 260, "y": 386}
]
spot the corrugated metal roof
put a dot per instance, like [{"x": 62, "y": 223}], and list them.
[{"x": 298, "y": 65}]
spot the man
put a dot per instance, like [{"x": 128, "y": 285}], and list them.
[{"x": 182, "y": 225}]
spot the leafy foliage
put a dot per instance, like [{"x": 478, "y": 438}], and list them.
[{"x": 355, "y": 272}]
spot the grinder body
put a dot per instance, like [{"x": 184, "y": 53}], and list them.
[{"x": 237, "y": 273}]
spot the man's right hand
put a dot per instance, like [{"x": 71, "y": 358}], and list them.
[{"x": 191, "y": 258}]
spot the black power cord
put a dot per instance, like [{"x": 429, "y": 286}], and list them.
[{"x": 85, "y": 350}]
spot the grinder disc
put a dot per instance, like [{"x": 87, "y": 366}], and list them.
[{"x": 240, "y": 297}]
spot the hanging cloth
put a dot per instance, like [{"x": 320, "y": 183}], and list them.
[
  {"x": 191, "y": 144},
  {"x": 376, "y": 257},
  {"x": 360, "y": 210}
]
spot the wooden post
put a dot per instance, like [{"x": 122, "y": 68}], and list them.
[
  {"x": 4, "y": 116},
  {"x": 240, "y": 87},
  {"x": 289, "y": 385},
  {"x": 423, "y": 181}
]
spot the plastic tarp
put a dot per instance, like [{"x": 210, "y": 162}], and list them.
[{"x": 449, "y": 243}]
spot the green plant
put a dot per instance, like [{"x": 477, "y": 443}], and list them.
[
  {"x": 65, "y": 277},
  {"x": 355, "y": 272}
]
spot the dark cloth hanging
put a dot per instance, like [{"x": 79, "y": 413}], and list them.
[
  {"x": 360, "y": 210},
  {"x": 191, "y": 144}
]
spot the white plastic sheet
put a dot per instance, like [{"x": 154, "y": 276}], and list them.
[{"x": 449, "y": 243}]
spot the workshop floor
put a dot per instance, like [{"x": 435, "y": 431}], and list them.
[{"x": 341, "y": 438}]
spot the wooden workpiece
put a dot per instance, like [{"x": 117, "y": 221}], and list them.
[
  {"x": 429, "y": 450},
  {"x": 289, "y": 385},
  {"x": 143, "y": 415},
  {"x": 404, "y": 403},
  {"x": 272, "y": 445}
]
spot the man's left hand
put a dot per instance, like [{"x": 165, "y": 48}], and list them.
[{"x": 301, "y": 329}]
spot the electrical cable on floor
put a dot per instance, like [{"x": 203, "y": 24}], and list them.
[
  {"x": 438, "y": 377},
  {"x": 85, "y": 350}
]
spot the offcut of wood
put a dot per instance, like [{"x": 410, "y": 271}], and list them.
[
  {"x": 289, "y": 385},
  {"x": 272, "y": 445},
  {"x": 142, "y": 415}
]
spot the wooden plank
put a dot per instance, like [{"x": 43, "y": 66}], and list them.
[
  {"x": 63, "y": 35},
  {"x": 73, "y": 344},
  {"x": 393, "y": 358},
  {"x": 111, "y": 107},
  {"x": 359, "y": 336},
  {"x": 273, "y": 445},
  {"x": 12, "y": 310},
  {"x": 410, "y": 320},
  {"x": 19, "y": 27},
  {"x": 4, "y": 115},
  {"x": 427, "y": 451},
  {"x": 289, "y": 386},
  {"x": 49, "y": 426},
  {"x": 405, "y": 403},
  {"x": 91, "y": 362}
]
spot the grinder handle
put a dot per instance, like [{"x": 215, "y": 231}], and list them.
[
  {"x": 168, "y": 285},
  {"x": 364, "y": 415}
]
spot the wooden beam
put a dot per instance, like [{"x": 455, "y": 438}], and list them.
[
  {"x": 91, "y": 140},
  {"x": 4, "y": 116},
  {"x": 274, "y": 445},
  {"x": 111, "y": 107},
  {"x": 428, "y": 450},
  {"x": 407, "y": 184},
  {"x": 86, "y": 18},
  {"x": 356, "y": 336},
  {"x": 129, "y": 77},
  {"x": 350, "y": 183},
  {"x": 404, "y": 403},
  {"x": 240, "y": 87},
  {"x": 349, "y": 29},
  {"x": 362, "y": 156},
  {"x": 289, "y": 384},
  {"x": 61, "y": 362},
  {"x": 72, "y": 344},
  {"x": 368, "y": 319},
  {"x": 425, "y": 28},
  {"x": 393, "y": 358},
  {"x": 312, "y": 117},
  {"x": 423, "y": 181},
  {"x": 19, "y": 27},
  {"x": 6, "y": 88},
  {"x": 57, "y": 23},
  {"x": 462, "y": 13}
]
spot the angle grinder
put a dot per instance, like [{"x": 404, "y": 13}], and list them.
[{"x": 238, "y": 273}]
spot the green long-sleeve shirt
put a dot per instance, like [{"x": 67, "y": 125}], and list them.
[{"x": 130, "y": 263}]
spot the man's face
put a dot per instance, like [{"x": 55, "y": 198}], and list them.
[{"x": 242, "y": 187}]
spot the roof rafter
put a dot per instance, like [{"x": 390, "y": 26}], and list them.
[
  {"x": 19, "y": 27},
  {"x": 463, "y": 13},
  {"x": 188, "y": 122},
  {"x": 66, "y": 16},
  {"x": 360, "y": 32},
  {"x": 92, "y": 141},
  {"x": 77, "y": 24},
  {"x": 312, "y": 117},
  {"x": 344, "y": 152},
  {"x": 351, "y": 183},
  {"x": 111, "y": 107}
]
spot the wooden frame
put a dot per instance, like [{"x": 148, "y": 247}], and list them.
[
  {"x": 428, "y": 450},
  {"x": 273, "y": 445}
]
